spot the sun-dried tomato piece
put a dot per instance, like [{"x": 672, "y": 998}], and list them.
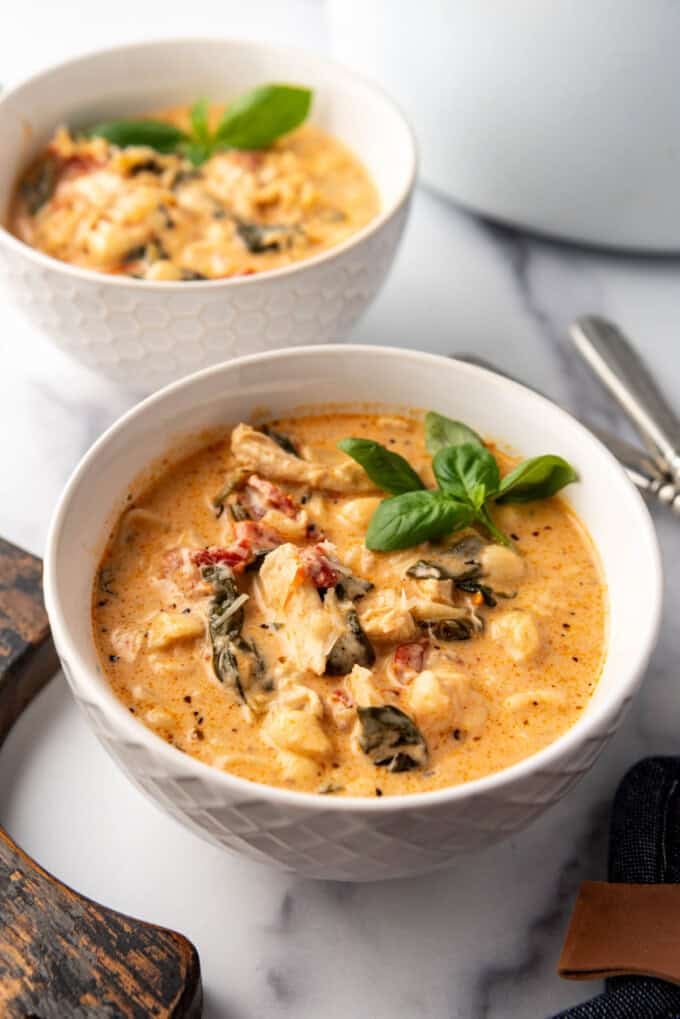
[
  {"x": 410, "y": 657},
  {"x": 343, "y": 696},
  {"x": 323, "y": 569},
  {"x": 252, "y": 539},
  {"x": 260, "y": 495},
  {"x": 234, "y": 555}
]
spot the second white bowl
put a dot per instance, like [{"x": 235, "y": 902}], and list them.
[{"x": 145, "y": 334}]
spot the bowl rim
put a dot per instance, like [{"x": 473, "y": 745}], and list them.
[
  {"x": 589, "y": 725},
  {"x": 329, "y": 255}
]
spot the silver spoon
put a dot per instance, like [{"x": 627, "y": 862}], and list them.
[
  {"x": 638, "y": 465},
  {"x": 622, "y": 372}
]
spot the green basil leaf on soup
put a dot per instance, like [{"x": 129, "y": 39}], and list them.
[
  {"x": 196, "y": 152},
  {"x": 261, "y": 116},
  {"x": 199, "y": 121},
  {"x": 538, "y": 478},
  {"x": 408, "y": 519},
  {"x": 157, "y": 134},
  {"x": 386, "y": 469},
  {"x": 467, "y": 472},
  {"x": 441, "y": 431}
]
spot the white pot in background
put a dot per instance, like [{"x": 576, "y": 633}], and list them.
[{"x": 561, "y": 117}]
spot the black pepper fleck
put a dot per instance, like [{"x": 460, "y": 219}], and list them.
[
  {"x": 378, "y": 791},
  {"x": 113, "y": 658}
]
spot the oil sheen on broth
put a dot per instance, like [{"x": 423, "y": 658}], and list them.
[{"x": 239, "y": 615}]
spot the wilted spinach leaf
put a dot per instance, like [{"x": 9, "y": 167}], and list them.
[{"x": 391, "y": 738}]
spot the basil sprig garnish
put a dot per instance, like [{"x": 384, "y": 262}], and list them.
[
  {"x": 253, "y": 121},
  {"x": 468, "y": 482}
]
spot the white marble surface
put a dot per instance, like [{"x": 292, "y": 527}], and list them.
[{"x": 482, "y": 939}]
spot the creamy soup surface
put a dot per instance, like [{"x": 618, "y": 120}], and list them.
[
  {"x": 136, "y": 212},
  {"x": 239, "y": 615}
]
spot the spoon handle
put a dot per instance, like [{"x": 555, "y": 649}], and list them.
[{"x": 625, "y": 376}]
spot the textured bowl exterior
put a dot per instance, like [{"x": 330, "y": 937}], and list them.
[
  {"x": 347, "y": 845},
  {"x": 145, "y": 338},
  {"x": 352, "y": 838}
]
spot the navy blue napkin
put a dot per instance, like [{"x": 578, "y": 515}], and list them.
[{"x": 644, "y": 848}]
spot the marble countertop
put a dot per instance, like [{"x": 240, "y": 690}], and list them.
[{"x": 481, "y": 940}]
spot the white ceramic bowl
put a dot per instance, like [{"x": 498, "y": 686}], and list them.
[
  {"x": 317, "y": 836},
  {"x": 145, "y": 334},
  {"x": 560, "y": 117}
]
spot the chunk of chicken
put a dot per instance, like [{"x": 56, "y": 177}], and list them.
[
  {"x": 361, "y": 686},
  {"x": 518, "y": 633},
  {"x": 384, "y": 615},
  {"x": 311, "y": 626},
  {"x": 259, "y": 453}
]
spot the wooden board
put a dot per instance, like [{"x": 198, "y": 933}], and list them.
[{"x": 62, "y": 955}]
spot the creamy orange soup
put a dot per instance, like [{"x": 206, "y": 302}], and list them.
[
  {"x": 135, "y": 212},
  {"x": 239, "y": 615}
]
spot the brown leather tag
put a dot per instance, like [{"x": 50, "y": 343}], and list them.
[{"x": 619, "y": 929}]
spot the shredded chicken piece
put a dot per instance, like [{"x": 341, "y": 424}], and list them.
[{"x": 259, "y": 453}]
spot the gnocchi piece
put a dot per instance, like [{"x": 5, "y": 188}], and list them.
[
  {"x": 362, "y": 688},
  {"x": 168, "y": 628},
  {"x": 295, "y": 723},
  {"x": 358, "y": 512},
  {"x": 429, "y": 700},
  {"x": 446, "y": 699},
  {"x": 164, "y": 271},
  {"x": 502, "y": 567},
  {"x": 517, "y": 631},
  {"x": 299, "y": 732},
  {"x": 296, "y": 768}
]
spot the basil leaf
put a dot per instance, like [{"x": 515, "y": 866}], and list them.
[
  {"x": 468, "y": 472},
  {"x": 386, "y": 469},
  {"x": 196, "y": 152},
  {"x": 538, "y": 478},
  {"x": 257, "y": 118},
  {"x": 484, "y": 517},
  {"x": 199, "y": 121},
  {"x": 406, "y": 520},
  {"x": 441, "y": 431},
  {"x": 157, "y": 134}
]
